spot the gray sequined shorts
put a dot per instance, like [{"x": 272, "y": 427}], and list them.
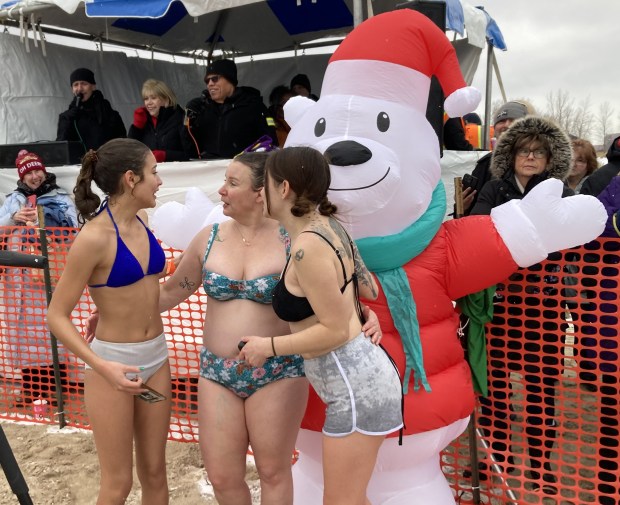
[{"x": 360, "y": 387}]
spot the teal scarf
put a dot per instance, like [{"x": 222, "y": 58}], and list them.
[{"x": 385, "y": 256}]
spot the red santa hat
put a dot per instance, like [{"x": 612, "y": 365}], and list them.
[
  {"x": 393, "y": 56},
  {"x": 27, "y": 162}
]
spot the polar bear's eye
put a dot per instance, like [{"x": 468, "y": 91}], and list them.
[
  {"x": 383, "y": 121},
  {"x": 319, "y": 127}
]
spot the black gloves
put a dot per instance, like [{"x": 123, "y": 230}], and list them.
[{"x": 73, "y": 112}]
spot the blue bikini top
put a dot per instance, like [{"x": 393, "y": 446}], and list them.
[
  {"x": 126, "y": 269},
  {"x": 220, "y": 287}
]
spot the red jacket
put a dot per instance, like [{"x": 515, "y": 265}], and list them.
[{"x": 465, "y": 256}]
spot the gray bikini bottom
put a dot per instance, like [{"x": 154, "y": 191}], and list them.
[
  {"x": 150, "y": 355},
  {"x": 361, "y": 388}
]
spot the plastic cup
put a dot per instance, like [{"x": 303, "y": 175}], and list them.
[{"x": 40, "y": 408}]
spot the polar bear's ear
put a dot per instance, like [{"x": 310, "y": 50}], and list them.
[{"x": 295, "y": 108}]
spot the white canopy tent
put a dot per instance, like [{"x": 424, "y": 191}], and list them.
[
  {"x": 35, "y": 88},
  {"x": 238, "y": 26}
]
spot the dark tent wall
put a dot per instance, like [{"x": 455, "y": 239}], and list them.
[{"x": 35, "y": 88}]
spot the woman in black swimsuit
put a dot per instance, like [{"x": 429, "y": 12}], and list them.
[{"x": 318, "y": 295}]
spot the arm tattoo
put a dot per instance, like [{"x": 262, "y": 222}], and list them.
[
  {"x": 363, "y": 275},
  {"x": 299, "y": 255},
  {"x": 187, "y": 284},
  {"x": 342, "y": 235}
]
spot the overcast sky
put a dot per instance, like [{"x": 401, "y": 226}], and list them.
[{"x": 569, "y": 45}]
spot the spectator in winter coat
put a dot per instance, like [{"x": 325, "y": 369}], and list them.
[
  {"x": 529, "y": 152},
  {"x": 277, "y": 98},
  {"x": 584, "y": 163},
  {"x": 454, "y": 135},
  {"x": 24, "y": 332},
  {"x": 226, "y": 118},
  {"x": 503, "y": 118},
  {"x": 300, "y": 85},
  {"x": 599, "y": 180},
  {"x": 159, "y": 123},
  {"x": 34, "y": 181},
  {"x": 90, "y": 118},
  {"x": 610, "y": 198}
]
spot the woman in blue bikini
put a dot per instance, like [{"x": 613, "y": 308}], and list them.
[{"x": 121, "y": 261}]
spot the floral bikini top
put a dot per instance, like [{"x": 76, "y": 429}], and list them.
[{"x": 222, "y": 288}]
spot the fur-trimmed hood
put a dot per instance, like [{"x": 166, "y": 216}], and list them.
[{"x": 559, "y": 143}]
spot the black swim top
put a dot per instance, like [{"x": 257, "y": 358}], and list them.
[
  {"x": 126, "y": 269},
  {"x": 292, "y": 308}
]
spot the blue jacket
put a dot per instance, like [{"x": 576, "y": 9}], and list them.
[{"x": 57, "y": 205}]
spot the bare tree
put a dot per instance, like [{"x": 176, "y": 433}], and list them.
[
  {"x": 603, "y": 120},
  {"x": 560, "y": 108},
  {"x": 583, "y": 120},
  {"x": 575, "y": 118}
]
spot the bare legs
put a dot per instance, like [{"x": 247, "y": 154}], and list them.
[
  {"x": 348, "y": 463},
  {"x": 116, "y": 418},
  {"x": 269, "y": 420}
]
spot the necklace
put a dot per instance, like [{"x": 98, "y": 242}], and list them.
[{"x": 246, "y": 242}]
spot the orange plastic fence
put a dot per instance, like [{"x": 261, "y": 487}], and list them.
[{"x": 547, "y": 433}]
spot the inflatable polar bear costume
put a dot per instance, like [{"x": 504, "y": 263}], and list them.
[{"x": 384, "y": 157}]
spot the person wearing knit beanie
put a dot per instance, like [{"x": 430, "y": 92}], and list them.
[
  {"x": 224, "y": 68},
  {"x": 83, "y": 83},
  {"x": 300, "y": 85},
  {"x": 36, "y": 187},
  {"x": 90, "y": 119},
  {"x": 27, "y": 162},
  {"x": 226, "y": 117},
  {"x": 82, "y": 74}
]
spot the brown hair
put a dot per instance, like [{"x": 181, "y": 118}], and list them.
[
  {"x": 527, "y": 139},
  {"x": 106, "y": 167},
  {"x": 256, "y": 163},
  {"x": 588, "y": 152},
  {"x": 308, "y": 175}
]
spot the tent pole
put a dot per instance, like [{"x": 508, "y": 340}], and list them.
[
  {"x": 487, "y": 97},
  {"x": 16, "y": 10},
  {"x": 358, "y": 15}
]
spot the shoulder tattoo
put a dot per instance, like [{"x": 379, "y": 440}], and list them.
[
  {"x": 299, "y": 255},
  {"x": 364, "y": 277},
  {"x": 342, "y": 235}
]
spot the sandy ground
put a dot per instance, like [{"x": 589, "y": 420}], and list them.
[{"x": 60, "y": 468}]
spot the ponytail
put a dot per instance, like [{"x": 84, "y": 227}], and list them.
[
  {"x": 86, "y": 201},
  {"x": 327, "y": 208}
]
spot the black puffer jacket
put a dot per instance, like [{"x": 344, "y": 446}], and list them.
[
  {"x": 224, "y": 130},
  {"x": 93, "y": 122},
  {"x": 601, "y": 177},
  {"x": 167, "y": 135},
  {"x": 503, "y": 186}
]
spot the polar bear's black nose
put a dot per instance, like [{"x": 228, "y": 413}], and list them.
[{"x": 348, "y": 152}]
